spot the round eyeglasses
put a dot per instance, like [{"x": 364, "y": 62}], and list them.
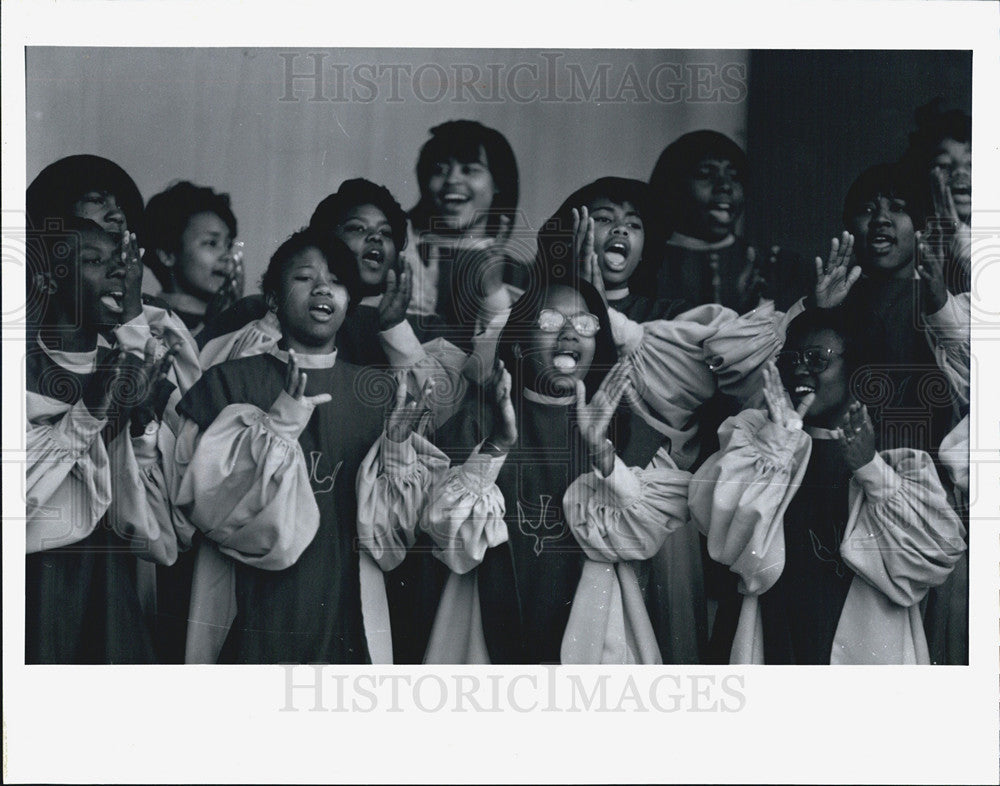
[
  {"x": 816, "y": 359},
  {"x": 551, "y": 321}
]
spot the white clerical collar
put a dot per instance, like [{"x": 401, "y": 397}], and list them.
[
  {"x": 616, "y": 294},
  {"x": 77, "y": 362},
  {"x": 555, "y": 401},
  {"x": 686, "y": 241},
  {"x": 307, "y": 361}
]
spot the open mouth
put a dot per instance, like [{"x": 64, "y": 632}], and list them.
[
  {"x": 616, "y": 255},
  {"x": 801, "y": 391},
  {"x": 881, "y": 242},
  {"x": 722, "y": 212},
  {"x": 373, "y": 259},
  {"x": 112, "y": 301},
  {"x": 961, "y": 191},
  {"x": 321, "y": 312},
  {"x": 454, "y": 200},
  {"x": 566, "y": 360}
]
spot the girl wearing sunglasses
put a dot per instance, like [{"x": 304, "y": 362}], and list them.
[
  {"x": 556, "y": 495},
  {"x": 834, "y": 543}
]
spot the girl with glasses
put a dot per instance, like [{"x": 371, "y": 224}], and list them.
[
  {"x": 556, "y": 495},
  {"x": 834, "y": 543}
]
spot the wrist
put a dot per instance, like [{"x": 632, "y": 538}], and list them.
[{"x": 602, "y": 456}]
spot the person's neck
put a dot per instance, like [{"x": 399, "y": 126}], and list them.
[
  {"x": 683, "y": 240},
  {"x": 70, "y": 338},
  {"x": 184, "y": 301},
  {"x": 300, "y": 348},
  {"x": 618, "y": 293}
]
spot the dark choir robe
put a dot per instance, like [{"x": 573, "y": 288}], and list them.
[
  {"x": 699, "y": 272},
  {"x": 310, "y": 611},
  {"x": 97, "y": 504},
  {"x": 82, "y": 604},
  {"x": 527, "y": 585},
  {"x": 641, "y": 308},
  {"x": 801, "y": 611}
]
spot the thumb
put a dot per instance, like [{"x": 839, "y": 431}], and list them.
[
  {"x": 321, "y": 398},
  {"x": 803, "y": 408},
  {"x": 581, "y": 394}
]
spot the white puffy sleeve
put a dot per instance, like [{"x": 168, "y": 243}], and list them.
[
  {"x": 438, "y": 360},
  {"x": 68, "y": 474},
  {"x": 464, "y": 515},
  {"x": 902, "y": 536},
  {"x": 740, "y": 348},
  {"x": 392, "y": 487},
  {"x": 627, "y": 515},
  {"x": 254, "y": 338},
  {"x": 739, "y": 496},
  {"x": 245, "y": 485},
  {"x": 948, "y": 334},
  {"x": 619, "y": 519},
  {"x": 670, "y": 373}
]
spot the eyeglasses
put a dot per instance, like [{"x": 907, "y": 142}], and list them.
[
  {"x": 816, "y": 359},
  {"x": 552, "y": 321}
]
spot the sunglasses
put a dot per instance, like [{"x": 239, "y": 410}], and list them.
[
  {"x": 552, "y": 321},
  {"x": 816, "y": 359}
]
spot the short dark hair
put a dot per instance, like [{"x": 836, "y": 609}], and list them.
[
  {"x": 52, "y": 193},
  {"x": 168, "y": 214},
  {"x": 679, "y": 159},
  {"x": 892, "y": 181},
  {"x": 353, "y": 193},
  {"x": 339, "y": 258},
  {"x": 858, "y": 348},
  {"x": 463, "y": 140},
  {"x": 555, "y": 241}
]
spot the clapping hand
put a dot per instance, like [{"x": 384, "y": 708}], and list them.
[
  {"x": 497, "y": 387},
  {"x": 405, "y": 417},
  {"x": 395, "y": 301},
  {"x": 857, "y": 437},
  {"x": 295, "y": 384},
  {"x": 132, "y": 285},
  {"x": 833, "y": 279},
  {"x": 584, "y": 255},
  {"x": 593, "y": 417},
  {"x": 930, "y": 268},
  {"x": 779, "y": 405}
]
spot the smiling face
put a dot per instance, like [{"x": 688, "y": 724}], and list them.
[
  {"x": 884, "y": 237},
  {"x": 954, "y": 159},
  {"x": 312, "y": 303},
  {"x": 618, "y": 239},
  {"x": 368, "y": 233},
  {"x": 557, "y": 358},
  {"x": 462, "y": 193},
  {"x": 102, "y": 208},
  {"x": 713, "y": 199},
  {"x": 201, "y": 264},
  {"x": 801, "y": 377}
]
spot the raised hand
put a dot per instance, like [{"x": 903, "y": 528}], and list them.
[
  {"x": 154, "y": 370},
  {"x": 584, "y": 255},
  {"x": 930, "y": 268},
  {"x": 779, "y": 405},
  {"x": 593, "y": 417},
  {"x": 395, "y": 301},
  {"x": 407, "y": 418},
  {"x": 833, "y": 279},
  {"x": 295, "y": 383},
  {"x": 857, "y": 437},
  {"x": 497, "y": 387},
  {"x": 132, "y": 285}
]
